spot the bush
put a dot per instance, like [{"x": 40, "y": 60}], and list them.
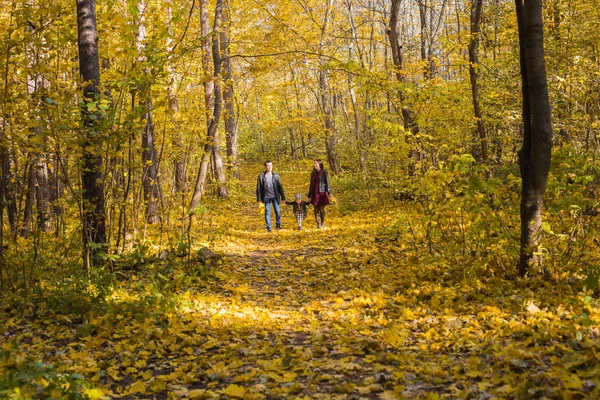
[{"x": 29, "y": 379}]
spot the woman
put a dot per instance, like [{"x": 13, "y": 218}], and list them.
[{"x": 318, "y": 193}]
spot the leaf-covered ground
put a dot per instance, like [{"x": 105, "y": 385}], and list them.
[{"x": 348, "y": 312}]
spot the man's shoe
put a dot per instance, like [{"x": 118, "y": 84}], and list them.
[
  {"x": 278, "y": 228},
  {"x": 269, "y": 230}
]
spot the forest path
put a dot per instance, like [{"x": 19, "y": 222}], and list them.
[
  {"x": 360, "y": 310},
  {"x": 299, "y": 304}
]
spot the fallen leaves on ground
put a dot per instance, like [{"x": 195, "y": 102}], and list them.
[{"x": 334, "y": 313}]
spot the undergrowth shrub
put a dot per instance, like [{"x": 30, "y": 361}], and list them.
[
  {"x": 467, "y": 217},
  {"x": 26, "y": 378},
  {"x": 76, "y": 295}
]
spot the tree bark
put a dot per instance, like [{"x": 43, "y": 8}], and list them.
[
  {"x": 217, "y": 106},
  {"x": 179, "y": 161},
  {"x": 94, "y": 231},
  {"x": 359, "y": 137},
  {"x": 39, "y": 193},
  {"x": 410, "y": 125},
  {"x": 231, "y": 133},
  {"x": 534, "y": 156},
  {"x": 150, "y": 183},
  {"x": 330, "y": 136},
  {"x": 324, "y": 91},
  {"x": 476, "y": 12}
]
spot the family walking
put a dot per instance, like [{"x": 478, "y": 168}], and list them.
[{"x": 269, "y": 191}]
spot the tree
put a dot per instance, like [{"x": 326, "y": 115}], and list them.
[
  {"x": 476, "y": 12},
  {"x": 410, "y": 125},
  {"x": 94, "y": 230},
  {"x": 179, "y": 162},
  {"x": 534, "y": 156},
  {"x": 150, "y": 181},
  {"x": 37, "y": 86},
  {"x": 325, "y": 96},
  {"x": 214, "y": 100},
  {"x": 231, "y": 126}
]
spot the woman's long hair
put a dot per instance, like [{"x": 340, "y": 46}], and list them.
[{"x": 320, "y": 166}]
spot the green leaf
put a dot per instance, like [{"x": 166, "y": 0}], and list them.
[{"x": 547, "y": 228}]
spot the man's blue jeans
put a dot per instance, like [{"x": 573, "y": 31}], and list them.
[{"x": 268, "y": 213}]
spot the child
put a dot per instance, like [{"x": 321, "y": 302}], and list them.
[{"x": 300, "y": 209}]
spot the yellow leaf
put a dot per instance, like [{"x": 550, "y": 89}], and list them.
[
  {"x": 289, "y": 377},
  {"x": 394, "y": 336},
  {"x": 137, "y": 387},
  {"x": 235, "y": 391},
  {"x": 431, "y": 333},
  {"x": 196, "y": 393},
  {"x": 374, "y": 387},
  {"x": 387, "y": 395},
  {"x": 94, "y": 393}
]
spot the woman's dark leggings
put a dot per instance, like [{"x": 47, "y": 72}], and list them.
[{"x": 320, "y": 215}]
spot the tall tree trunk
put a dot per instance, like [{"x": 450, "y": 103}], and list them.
[
  {"x": 299, "y": 111},
  {"x": 534, "y": 156},
  {"x": 36, "y": 87},
  {"x": 216, "y": 115},
  {"x": 213, "y": 129},
  {"x": 94, "y": 231},
  {"x": 330, "y": 136},
  {"x": 150, "y": 183},
  {"x": 29, "y": 174},
  {"x": 354, "y": 47},
  {"x": 476, "y": 12},
  {"x": 231, "y": 134},
  {"x": 209, "y": 102},
  {"x": 325, "y": 94},
  {"x": 423, "y": 34},
  {"x": 410, "y": 125},
  {"x": 177, "y": 139}
]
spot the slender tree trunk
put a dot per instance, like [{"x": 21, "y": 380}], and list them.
[
  {"x": 410, "y": 125},
  {"x": 179, "y": 160},
  {"x": 150, "y": 183},
  {"x": 534, "y": 156},
  {"x": 330, "y": 136},
  {"x": 214, "y": 121},
  {"x": 358, "y": 133},
  {"x": 29, "y": 199},
  {"x": 209, "y": 102},
  {"x": 324, "y": 91},
  {"x": 231, "y": 134},
  {"x": 299, "y": 111},
  {"x": 423, "y": 34},
  {"x": 37, "y": 84},
  {"x": 94, "y": 231},
  {"x": 476, "y": 12}
]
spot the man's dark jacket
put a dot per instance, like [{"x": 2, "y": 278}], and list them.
[{"x": 261, "y": 188}]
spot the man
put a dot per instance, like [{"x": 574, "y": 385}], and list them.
[{"x": 269, "y": 190}]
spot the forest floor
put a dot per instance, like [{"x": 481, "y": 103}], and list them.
[{"x": 348, "y": 312}]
